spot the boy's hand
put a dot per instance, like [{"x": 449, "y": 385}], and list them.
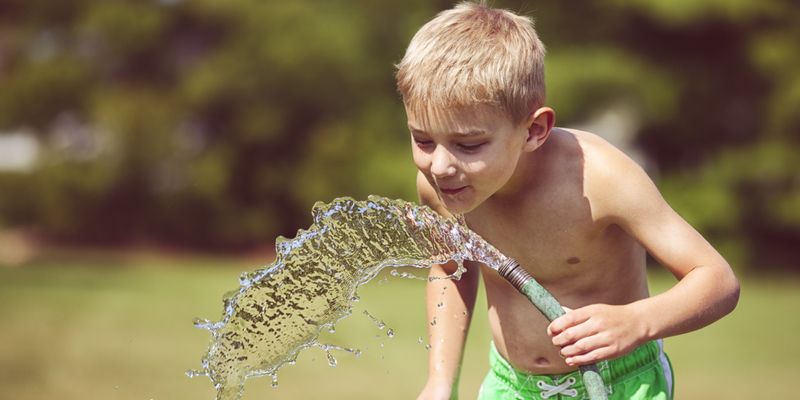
[{"x": 597, "y": 332}]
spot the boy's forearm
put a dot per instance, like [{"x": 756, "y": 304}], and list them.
[
  {"x": 704, "y": 295},
  {"x": 449, "y": 306}
]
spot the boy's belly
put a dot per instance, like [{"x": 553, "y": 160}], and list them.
[
  {"x": 535, "y": 356},
  {"x": 522, "y": 341},
  {"x": 519, "y": 329}
]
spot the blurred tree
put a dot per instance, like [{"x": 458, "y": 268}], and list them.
[
  {"x": 219, "y": 124},
  {"x": 204, "y": 123}
]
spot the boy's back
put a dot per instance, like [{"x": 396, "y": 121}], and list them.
[{"x": 573, "y": 210}]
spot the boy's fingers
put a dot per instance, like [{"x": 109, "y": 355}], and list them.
[
  {"x": 559, "y": 324},
  {"x": 571, "y": 318},
  {"x": 594, "y": 356},
  {"x": 572, "y": 334},
  {"x": 582, "y": 346}
]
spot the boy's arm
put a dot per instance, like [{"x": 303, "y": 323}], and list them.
[
  {"x": 707, "y": 289},
  {"x": 449, "y": 308}
]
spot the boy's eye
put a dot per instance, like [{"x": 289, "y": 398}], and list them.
[
  {"x": 422, "y": 142},
  {"x": 471, "y": 146}
]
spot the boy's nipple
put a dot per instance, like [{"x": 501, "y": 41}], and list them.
[{"x": 573, "y": 260}]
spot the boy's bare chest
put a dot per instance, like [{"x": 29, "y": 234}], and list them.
[{"x": 552, "y": 242}]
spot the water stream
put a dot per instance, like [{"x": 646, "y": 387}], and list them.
[{"x": 282, "y": 308}]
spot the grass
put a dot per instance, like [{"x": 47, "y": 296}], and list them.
[{"x": 120, "y": 328}]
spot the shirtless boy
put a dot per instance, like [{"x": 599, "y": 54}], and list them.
[{"x": 576, "y": 212}]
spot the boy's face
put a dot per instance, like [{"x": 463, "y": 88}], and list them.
[{"x": 467, "y": 154}]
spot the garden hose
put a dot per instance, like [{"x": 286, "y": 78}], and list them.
[{"x": 550, "y": 307}]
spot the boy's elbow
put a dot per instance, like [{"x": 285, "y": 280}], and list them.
[
  {"x": 732, "y": 290},
  {"x": 735, "y": 291}
]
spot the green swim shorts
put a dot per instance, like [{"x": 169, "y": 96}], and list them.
[{"x": 644, "y": 374}]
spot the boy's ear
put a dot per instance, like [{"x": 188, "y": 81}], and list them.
[{"x": 539, "y": 124}]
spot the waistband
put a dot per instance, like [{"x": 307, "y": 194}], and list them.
[{"x": 612, "y": 371}]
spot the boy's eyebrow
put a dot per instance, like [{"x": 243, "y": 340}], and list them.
[{"x": 467, "y": 133}]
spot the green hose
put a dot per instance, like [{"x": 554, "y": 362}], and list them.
[{"x": 550, "y": 307}]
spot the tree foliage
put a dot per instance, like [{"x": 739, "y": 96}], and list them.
[{"x": 219, "y": 124}]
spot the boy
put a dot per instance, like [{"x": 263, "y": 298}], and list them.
[{"x": 576, "y": 212}]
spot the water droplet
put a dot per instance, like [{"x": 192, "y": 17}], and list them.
[
  {"x": 332, "y": 329},
  {"x": 427, "y": 347},
  {"x": 194, "y": 373},
  {"x": 390, "y": 333},
  {"x": 419, "y": 340},
  {"x": 380, "y": 324},
  {"x": 245, "y": 279},
  {"x": 331, "y": 360},
  {"x": 201, "y": 323},
  {"x": 440, "y": 305},
  {"x": 274, "y": 381}
]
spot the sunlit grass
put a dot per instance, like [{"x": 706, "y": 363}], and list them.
[{"x": 97, "y": 329}]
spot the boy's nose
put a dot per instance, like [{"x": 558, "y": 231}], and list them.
[{"x": 442, "y": 163}]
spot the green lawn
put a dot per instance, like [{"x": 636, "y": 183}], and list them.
[{"x": 109, "y": 328}]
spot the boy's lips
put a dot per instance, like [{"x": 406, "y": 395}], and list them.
[{"x": 453, "y": 190}]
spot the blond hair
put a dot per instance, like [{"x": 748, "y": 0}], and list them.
[{"x": 472, "y": 55}]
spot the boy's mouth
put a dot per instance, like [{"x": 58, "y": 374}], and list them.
[{"x": 452, "y": 191}]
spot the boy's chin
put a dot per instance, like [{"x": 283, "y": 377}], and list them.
[{"x": 459, "y": 206}]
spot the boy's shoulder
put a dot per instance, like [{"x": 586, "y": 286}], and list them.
[
  {"x": 612, "y": 181},
  {"x": 600, "y": 159},
  {"x": 599, "y": 155}
]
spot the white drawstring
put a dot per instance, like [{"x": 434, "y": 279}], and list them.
[{"x": 563, "y": 388}]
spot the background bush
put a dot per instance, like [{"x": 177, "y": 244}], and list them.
[{"x": 217, "y": 125}]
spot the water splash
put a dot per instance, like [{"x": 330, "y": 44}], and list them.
[
  {"x": 378, "y": 323},
  {"x": 282, "y": 308}
]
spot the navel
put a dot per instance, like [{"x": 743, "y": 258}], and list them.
[
  {"x": 573, "y": 260},
  {"x": 542, "y": 362}
]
